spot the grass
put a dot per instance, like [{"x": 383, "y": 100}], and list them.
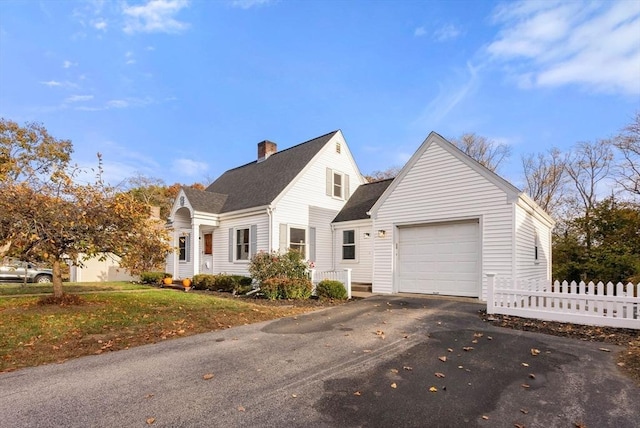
[
  {"x": 14, "y": 289},
  {"x": 32, "y": 334}
]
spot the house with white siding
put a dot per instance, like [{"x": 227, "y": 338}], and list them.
[{"x": 437, "y": 228}]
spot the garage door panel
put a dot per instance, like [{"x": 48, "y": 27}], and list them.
[{"x": 439, "y": 258}]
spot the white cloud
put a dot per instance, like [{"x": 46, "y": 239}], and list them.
[
  {"x": 78, "y": 98},
  {"x": 129, "y": 57},
  {"x": 446, "y": 32},
  {"x": 68, "y": 64},
  {"x": 449, "y": 97},
  {"x": 247, "y": 4},
  {"x": 594, "y": 45},
  {"x": 190, "y": 168},
  {"x": 100, "y": 24},
  {"x": 156, "y": 16},
  {"x": 58, "y": 84},
  {"x": 419, "y": 32}
]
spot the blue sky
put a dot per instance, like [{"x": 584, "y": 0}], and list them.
[{"x": 184, "y": 90}]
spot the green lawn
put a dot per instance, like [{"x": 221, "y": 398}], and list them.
[
  {"x": 7, "y": 289},
  {"x": 32, "y": 334}
]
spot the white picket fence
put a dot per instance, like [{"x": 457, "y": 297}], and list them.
[
  {"x": 593, "y": 304},
  {"x": 344, "y": 276}
]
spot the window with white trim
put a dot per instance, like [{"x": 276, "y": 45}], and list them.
[
  {"x": 298, "y": 240},
  {"x": 242, "y": 244},
  {"x": 348, "y": 244},
  {"x": 536, "y": 250},
  {"x": 184, "y": 244},
  {"x": 338, "y": 185}
]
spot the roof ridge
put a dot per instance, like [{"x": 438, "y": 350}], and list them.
[{"x": 285, "y": 150}]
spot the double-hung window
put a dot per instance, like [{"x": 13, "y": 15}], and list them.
[
  {"x": 298, "y": 240},
  {"x": 242, "y": 245},
  {"x": 348, "y": 245},
  {"x": 184, "y": 244},
  {"x": 338, "y": 185}
]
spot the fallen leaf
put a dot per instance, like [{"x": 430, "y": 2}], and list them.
[
  {"x": 358, "y": 393},
  {"x": 489, "y": 338},
  {"x": 478, "y": 334},
  {"x": 443, "y": 358},
  {"x": 468, "y": 348},
  {"x": 366, "y": 351},
  {"x": 394, "y": 371},
  {"x": 449, "y": 350},
  {"x": 524, "y": 385},
  {"x": 485, "y": 417},
  {"x": 525, "y": 411},
  {"x": 525, "y": 365},
  {"x": 535, "y": 351},
  {"x": 149, "y": 395},
  {"x": 474, "y": 341},
  {"x": 460, "y": 367},
  {"x": 150, "y": 421},
  {"x": 605, "y": 349},
  {"x": 580, "y": 425},
  {"x": 393, "y": 385},
  {"x": 433, "y": 389},
  {"x": 518, "y": 425},
  {"x": 532, "y": 376},
  {"x": 241, "y": 409},
  {"x": 379, "y": 332},
  {"x": 438, "y": 374},
  {"x": 294, "y": 395},
  {"x": 208, "y": 376},
  {"x": 620, "y": 364},
  {"x": 408, "y": 368}
]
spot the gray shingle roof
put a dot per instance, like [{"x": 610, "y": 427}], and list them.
[
  {"x": 362, "y": 200},
  {"x": 259, "y": 183},
  {"x": 202, "y": 200}
]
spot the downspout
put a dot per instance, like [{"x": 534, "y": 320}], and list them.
[
  {"x": 333, "y": 246},
  {"x": 270, "y": 214}
]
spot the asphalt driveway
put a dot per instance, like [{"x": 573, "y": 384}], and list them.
[{"x": 368, "y": 363}]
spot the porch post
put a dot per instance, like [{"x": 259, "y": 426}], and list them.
[{"x": 195, "y": 257}]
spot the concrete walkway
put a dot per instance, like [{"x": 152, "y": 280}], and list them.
[{"x": 379, "y": 362}]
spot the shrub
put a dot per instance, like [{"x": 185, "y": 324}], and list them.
[
  {"x": 153, "y": 277},
  {"x": 286, "y": 288},
  {"x": 203, "y": 281},
  {"x": 222, "y": 282},
  {"x": 274, "y": 264},
  {"x": 271, "y": 288},
  {"x": 330, "y": 289}
]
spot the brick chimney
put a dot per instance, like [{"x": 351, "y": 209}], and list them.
[{"x": 265, "y": 149}]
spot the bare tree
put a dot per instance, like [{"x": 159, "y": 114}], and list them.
[
  {"x": 545, "y": 176},
  {"x": 587, "y": 166},
  {"x": 628, "y": 144},
  {"x": 390, "y": 172},
  {"x": 485, "y": 151}
]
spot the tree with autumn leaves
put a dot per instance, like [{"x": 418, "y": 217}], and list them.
[{"x": 47, "y": 214}]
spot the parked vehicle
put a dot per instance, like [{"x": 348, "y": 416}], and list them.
[{"x": 14, "y": 270}]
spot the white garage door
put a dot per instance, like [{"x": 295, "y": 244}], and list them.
[{"x": 440, "y": 258}]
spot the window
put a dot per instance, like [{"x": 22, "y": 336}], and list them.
[
  {"x": 242, "y": 244},
  {"x": 536, "y": 244},
  {"x": 337, "y": 185},
  {"x": 208, "y": 243},
  {"x": 298, "y": 240},
  {"x": 183, "y": 247},
  {"x": 348, "y": 245}
]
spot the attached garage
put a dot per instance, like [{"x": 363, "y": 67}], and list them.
[
  {"x": 446, "y": 221},
  {"x": 440, "y": 258}
]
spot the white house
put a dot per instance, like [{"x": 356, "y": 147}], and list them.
[{"x": 437, "y": 228}]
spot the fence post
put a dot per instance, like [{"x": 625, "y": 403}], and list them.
[
  {"x": 348, "y": 283},
  {"x": 490, "y": 292}
]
